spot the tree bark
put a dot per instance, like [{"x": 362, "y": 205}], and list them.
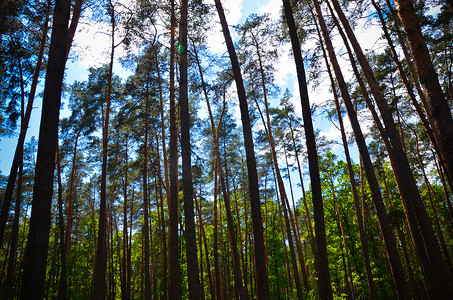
[
  {"x": 174, "y": 291},
  {"x": 195, "y": 289},
  {"x": 6, "y": 203},
  {"x": 321, "y": 260},
  {"x": 438, "y": 110},
  {"x": 38, "y": 237},
  {"x": 100, "y": 260},
  {"x": 262, "y": 281},
  {"x": 389, "y": 239},
  {"x": 422, "y": 232}
]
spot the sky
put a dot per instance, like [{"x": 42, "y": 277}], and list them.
[{"x": 89, "y": 51}]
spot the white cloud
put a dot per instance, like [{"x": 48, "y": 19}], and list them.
[
  {"x": 92, "y": 44},
  {"x": 273, "y": 8},
  {"x": 233, "y": 13}
]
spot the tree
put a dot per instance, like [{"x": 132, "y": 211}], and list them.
[
  {"x": 195, "y": 291},
  {"x": 396, "y": 267},
  {"x": 262, "y": 280},
  {"x": 437, "y": 108},
  {"x": 38, "y": 236},
  {"x": 321, "y": 260}
]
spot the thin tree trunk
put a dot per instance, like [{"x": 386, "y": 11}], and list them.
[
  {"x": 125, "y": 288},
  {"x": 231, "y": 231},
  {"x": 146, "y": 203},
  {"x": 174, "y": 291},
  {"x": 100, "y": 261},
  {"x": 38, "y": 237},
  {"x": 262, "y": 282},
  {"x": 11, "y": 269},
  {"x": 195, "y": 290},
  {"x": 63, "y": 285},
  {"x": 203, "y": 235},
  {"x": 281, "y": 186},
  {"x": 362, "y": 232},
  {"x": 321, "y": 260}
]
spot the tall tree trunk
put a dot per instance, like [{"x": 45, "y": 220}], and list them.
[
  {"x": 100, "y": 260},
  {"x": 280, "y": 184},
  {"x": 146, "y": 264},
  {"x": 63, "y": 284},
  {"x": 195, "y": 289},
  {"x": 174, "y": 291},
  {"x": 437, "y": 107},
  {"x": 226, "y": 197},
  {"x": 125, "y": 287},
  {"x": 203, "y": 234},
  {"x": 432, "y": 262},
  {"x": 166, "y": 185},
  {"x": 69, "y": 217},
  {"x": 389, "y": 239},
  {"x": 360, "y": 221},
  {"x": 38, "y": 237},
  {"x": 321, "y": 260},
  {"x": 262, "y": 281},
  {"x": 18, "y": 154}
]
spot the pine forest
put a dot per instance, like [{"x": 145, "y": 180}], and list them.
[{"x": 226, "y": 149}]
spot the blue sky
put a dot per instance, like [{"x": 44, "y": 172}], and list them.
[{"x": 87, "y": 52}]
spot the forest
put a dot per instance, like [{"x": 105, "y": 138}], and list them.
[{"x": 193, "y": 173}]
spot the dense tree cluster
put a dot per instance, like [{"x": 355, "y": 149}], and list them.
[{"x": 196, "y": 177}]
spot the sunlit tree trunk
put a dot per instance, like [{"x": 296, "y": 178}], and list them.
[
  {"x": 165, "y": 183},
  {"x": 146, "y": 202},
  {"x": 100, "y": 260}
]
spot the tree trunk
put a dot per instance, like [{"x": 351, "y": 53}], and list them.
[
  {"x": 146, "y": 264},
  {"x": 432, "y": 262},
  {"x": 77, "y": 10},
  {"x": 241, "y": 290},
  {"x": 389, "y": 239},
  {"x": 6, "y": 203},
  {"x": 437, "y": 107},
  {"x": 11, "y": 269},
  {"x": 262, "y": 282},
  {"x": 195, "y": 290},
  {"x": 321, "y": 260},
  {"x": 125, "y": 287},
  {"x": 100, "y": 261},
  {"x": 174, "y": 287},
  {"x": 38, "y": 236}
]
